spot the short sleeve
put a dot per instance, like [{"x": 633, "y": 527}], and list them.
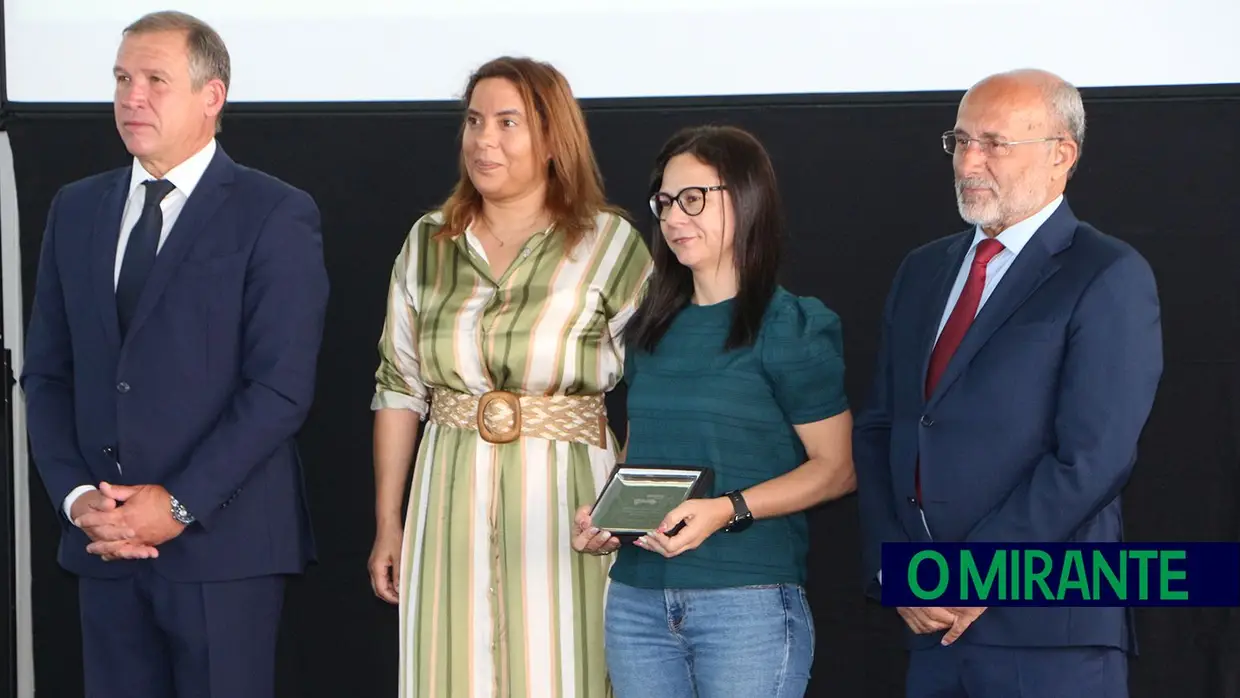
[
  {"x": 802, "y": 354},
  {"x": 630, "y": 365},
  {"x": 398, "y": 383}
]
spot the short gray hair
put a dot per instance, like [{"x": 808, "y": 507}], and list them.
[
  {"x": 1067, "y": 108},
  {"x": 208, "y": 55}
]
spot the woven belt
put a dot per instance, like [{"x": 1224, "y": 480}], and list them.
[{"x": 501, "y": 417}]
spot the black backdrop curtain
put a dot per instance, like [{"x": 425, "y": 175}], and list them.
[{"x": 863, "y": 183}]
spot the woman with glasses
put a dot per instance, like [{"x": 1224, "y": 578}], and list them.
[{"x": 726, "y": 370}]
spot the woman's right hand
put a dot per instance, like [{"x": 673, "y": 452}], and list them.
[
  {"x": 385, "y": 564},
  {"x": 588, "y": 539}
]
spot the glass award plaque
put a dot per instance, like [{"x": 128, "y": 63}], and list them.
[{"x": 637, "y": 498}]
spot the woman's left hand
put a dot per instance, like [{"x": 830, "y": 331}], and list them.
[{"x": 702, "y": 517}]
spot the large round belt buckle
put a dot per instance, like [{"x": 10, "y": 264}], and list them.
[{"x": 513, "y": 402}]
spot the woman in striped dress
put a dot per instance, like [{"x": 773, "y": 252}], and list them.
[{"x": 508, "y": 303}]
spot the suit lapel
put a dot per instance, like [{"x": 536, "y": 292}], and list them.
[
  {"x": 1035, "y": 264},
  {"x": 103, "y": 252},
  {"x": 211, "y": 191},
  {"x": 936, "y": 302}
]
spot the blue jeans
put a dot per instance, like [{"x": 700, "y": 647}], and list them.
[{"x": 709, "y": 643}]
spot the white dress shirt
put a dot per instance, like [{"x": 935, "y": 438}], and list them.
[
  {"x": 184, "y": 178},
  {"x": 1014, "y": 240}
]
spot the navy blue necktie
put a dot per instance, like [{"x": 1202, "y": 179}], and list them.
[{"x": 140, "y": 251}]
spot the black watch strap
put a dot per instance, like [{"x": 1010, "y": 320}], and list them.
[{"x": 741, "y": 516}]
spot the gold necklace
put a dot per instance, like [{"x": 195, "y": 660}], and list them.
[{"x": 501, "y": 240}]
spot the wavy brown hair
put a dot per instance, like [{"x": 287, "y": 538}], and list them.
[{"x": 558, "y": 128}]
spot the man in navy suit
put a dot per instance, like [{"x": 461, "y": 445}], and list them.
[
  {"x": 1018, "y": 365},
  {"x": 170, "y": 361}
]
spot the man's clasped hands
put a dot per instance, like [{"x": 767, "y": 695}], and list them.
[
  {"x": 126, "y": 521},
  {"x": 931, "y": 619}
]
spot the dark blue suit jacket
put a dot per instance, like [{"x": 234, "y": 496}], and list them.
[
  {"x": 214, "y": 379},
  {"x": 1032, "y": 431}
]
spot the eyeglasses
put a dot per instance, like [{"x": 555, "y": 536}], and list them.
[
  {"x": 953, "y": 141},
  {"x": 692, "y": 200}
]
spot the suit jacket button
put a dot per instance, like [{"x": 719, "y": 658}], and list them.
[
  {"x": 122, "y": 387},
  {"x": 926, "y": 421}
]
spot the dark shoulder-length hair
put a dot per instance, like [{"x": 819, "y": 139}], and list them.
[
  {"x": 746, "y": 171},
  {"x": 575, "y": 194}
]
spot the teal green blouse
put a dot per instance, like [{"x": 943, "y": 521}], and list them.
[{"x": 691, "y": 403}]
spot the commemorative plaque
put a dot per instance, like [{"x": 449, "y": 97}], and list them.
[{"x": 636, "y": 498}]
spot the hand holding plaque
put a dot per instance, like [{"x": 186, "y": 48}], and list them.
[{"x": 637, "y": 498}]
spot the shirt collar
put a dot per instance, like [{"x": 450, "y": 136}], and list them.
[
  {"x": 184, "y": 176},
  {"x": 1016, "y": 237}
]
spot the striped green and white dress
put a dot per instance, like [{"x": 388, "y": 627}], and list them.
[{"x": 494, "y": 602}]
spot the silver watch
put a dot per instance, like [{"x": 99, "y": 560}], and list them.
[{"x": 180, "y": 513}]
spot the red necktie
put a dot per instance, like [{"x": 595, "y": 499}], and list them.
[{"x": 958, "y": 322}]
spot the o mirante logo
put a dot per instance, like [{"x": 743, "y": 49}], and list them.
[{"x": 1061, "y": 574}]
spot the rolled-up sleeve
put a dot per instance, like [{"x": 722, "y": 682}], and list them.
[{"x": 398, "y": 382}]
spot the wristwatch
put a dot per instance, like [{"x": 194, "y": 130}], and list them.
[
  {"x": 741, "y": 517},
  {"x": 180, "y": 513}
]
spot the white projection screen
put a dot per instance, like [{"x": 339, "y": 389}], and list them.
[{"x": 61, "y": 51}]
